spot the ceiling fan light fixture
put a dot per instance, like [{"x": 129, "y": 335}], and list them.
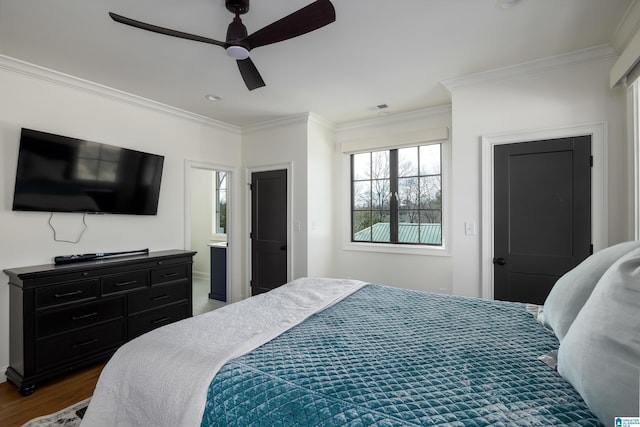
[{"x": 238, "y": 52}]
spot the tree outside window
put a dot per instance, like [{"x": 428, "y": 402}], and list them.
[
  {"x": 396, "y": 196},
  {"x": 220, "y": 226}
]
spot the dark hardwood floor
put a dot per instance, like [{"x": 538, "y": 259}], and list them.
[{"x": 48, "y": 398}]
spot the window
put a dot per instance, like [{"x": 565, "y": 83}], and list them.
[
  {"x": 220, "y": 203},
  {"x": 396, "y": 196}
]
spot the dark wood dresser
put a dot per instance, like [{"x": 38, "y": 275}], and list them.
[{"x": 63, "y": 317}]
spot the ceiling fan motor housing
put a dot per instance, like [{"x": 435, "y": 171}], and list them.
[
  {"x": 238, "y": 7},
  {"x": 236, "y": 33}
]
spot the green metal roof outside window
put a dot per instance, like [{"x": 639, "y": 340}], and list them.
[{"x": 425, "y": 234}]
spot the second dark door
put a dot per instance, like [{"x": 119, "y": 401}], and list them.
[
  {"x": 542, "y": 215},
  {"x": 268, "y": 230}
]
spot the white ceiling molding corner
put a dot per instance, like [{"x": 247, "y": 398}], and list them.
[
  {"x": 627, "y": 28},
  {"x": 321, "y": 121},
  {"x": 276, "y": 123},
  {"x": 395, "y": 118},
  {"x": 627, "y": 62},
  {"x": 582, "y": 56}
]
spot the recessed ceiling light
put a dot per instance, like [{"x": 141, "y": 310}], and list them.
[
  {"x": 213, "y": 97},
  {"x": 506, "y": 4}
]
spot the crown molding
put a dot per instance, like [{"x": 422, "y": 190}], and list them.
[
  {"x": 321, "y": 121},
  {"x": 578, "y": 57},
  {"x": 276, "y": 123},
  {"x": 395, "y": 118},
  {"x": 627, "y": 28},
  {"x": 301, "y": 118},
  {"x": 22, "y": 67}
]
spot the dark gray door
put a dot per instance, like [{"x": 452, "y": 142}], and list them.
[
  {"x": 268, "y": 230},
  {"x": 542, "y": 215}
]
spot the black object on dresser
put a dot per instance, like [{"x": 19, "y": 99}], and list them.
[{"x": 63, "y": 317}]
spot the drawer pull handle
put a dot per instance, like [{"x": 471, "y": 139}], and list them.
[
  {"x": 159, "y": 297},
  {"x": 170, "y": 274},
  {"x": 130, "y": 282},
  {"x": 82, "y": 344},
  {"x": 68, "y": 294},
  {"x": 84, "y": 316},
  {"x": 164, "y": 319}
]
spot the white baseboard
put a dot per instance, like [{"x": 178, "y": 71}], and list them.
[
  {"x": 3, "y": 377},
  {"x": 200, "y": 275}
]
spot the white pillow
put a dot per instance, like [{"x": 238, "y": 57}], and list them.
[
  {"x": 572, "y": 290},
  {"x": 600, "y": 355}
]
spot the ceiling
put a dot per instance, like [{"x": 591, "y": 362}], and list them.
[{"x": 376, "y": 52}]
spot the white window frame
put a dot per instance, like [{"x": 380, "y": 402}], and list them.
[
  {"x": 397, "y": 248},
  {"x": 214, "y": 203}
]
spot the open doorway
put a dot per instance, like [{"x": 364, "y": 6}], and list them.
[{"x": 207, "y": 233}]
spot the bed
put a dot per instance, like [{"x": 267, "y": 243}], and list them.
[{"x": 328, "y": 352}]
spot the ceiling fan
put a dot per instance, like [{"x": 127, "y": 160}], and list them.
[{"x": 238, "y": 42}]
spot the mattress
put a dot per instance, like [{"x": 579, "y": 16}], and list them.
[{"x": 389, "y": 357}]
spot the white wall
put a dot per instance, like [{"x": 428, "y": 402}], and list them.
[
  {"x": 320, "y": 201},
  {"x": 32, "y": 99},
  {"x": 281, "y": 145},
  {"x": 562, "y": 97},
  {"x": 201, "y": 193},
  {"x": 411, "y": 271}
]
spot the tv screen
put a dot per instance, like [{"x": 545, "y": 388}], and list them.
[{"x": 61, "y": 174}]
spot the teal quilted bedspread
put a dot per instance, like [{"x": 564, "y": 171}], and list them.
[{"x": 393, "y": 357}]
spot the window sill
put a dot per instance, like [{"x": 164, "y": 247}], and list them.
[{"x": 397, "y": 249}]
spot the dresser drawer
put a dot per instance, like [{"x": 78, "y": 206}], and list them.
[
  {"x": 65, "y": 293},
  {"x": 124, "y": 282},
  {"x": 169, "y": 273},
  {"x": 65, "y": 277},
  {"x": 53, "y": 322},
  {"x": 66, "y": 348},
  {"x": 157, "y": 296},
  {"x": 147, "y": 321}
]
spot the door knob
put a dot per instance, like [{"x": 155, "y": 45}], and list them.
[{"x": 499, "y": 261}]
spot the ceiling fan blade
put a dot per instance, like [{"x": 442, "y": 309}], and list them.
[
  {"x": 250, "y": 74},
  {"x": 309, "y": 18},
  {"x": 161, "y": 30}
]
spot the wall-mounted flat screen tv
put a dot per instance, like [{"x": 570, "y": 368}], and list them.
[{"x": 61, "y": 174}]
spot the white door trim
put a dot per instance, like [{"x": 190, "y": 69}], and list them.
[
  {"x": 599, "y": 192},
  {"x": 232, "y": 253}
]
